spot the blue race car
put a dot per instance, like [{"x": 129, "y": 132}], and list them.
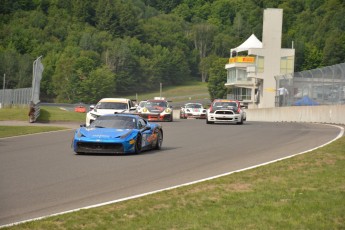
[{"x": 118, "y": 133}]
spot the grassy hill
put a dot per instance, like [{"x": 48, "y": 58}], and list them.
[{"x": 191, "y": 91}]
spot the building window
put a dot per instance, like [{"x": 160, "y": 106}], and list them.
[
  {"x": 242, "y": 94},
  {"x": 231, "y": 78},
  {"x": 260, "y": 64},
  {"x": 242, "y": 75},
  {"x": 237, "y": 75},
  {"x": 286, "y": 65}
]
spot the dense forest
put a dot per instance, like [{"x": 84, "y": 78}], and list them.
[{"x": 100, "y": 48}]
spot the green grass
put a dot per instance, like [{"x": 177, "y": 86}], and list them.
[
  {"x": 47, "y": 114},
  {"x": 303, "y": 192},
  {"x": 51, "y": 113},
  {"x": 12, "y": 114},
  {"x": 9, "y": 131}
]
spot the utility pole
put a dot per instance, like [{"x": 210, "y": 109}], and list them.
[
  {"x": 160, "y": 90},
  {"x": 3, "y": 92}
]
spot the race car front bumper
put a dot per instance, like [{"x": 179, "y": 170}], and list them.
[
  {"x": 224, "y": 117},
  {"x": 157, "y": 116}
]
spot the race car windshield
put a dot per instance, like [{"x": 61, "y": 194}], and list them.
[
  {"x": 156, "y": 103},
  {"x": 113, "y": 122},
  {"x": 142, "y": 103},
  {"x": 194, "y": 106},
  {"x": 111, "y": 105},
  {"x": 225, "y": 105}
]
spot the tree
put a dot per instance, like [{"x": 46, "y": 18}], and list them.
[
  {"x": 65, "y": 77},
  {"x": 99, "y": 84},
  {"x": 334, "y": 48},
  {"x": 217, "y": 80},
  {"x": 202, "y": 35},
  {"x": 313, "y": 57},
  {"x": 105, "y": 16},
  {"x": 83, "y": 10},
  {"x": 9, "y": 66}
]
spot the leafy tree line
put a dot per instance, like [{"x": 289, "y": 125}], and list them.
[{"x": 102, "y": 48}]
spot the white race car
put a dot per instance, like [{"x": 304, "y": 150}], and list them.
[
  {"x": 225, "y": 111},
  {"x": 192, "y": 110},
  {"x": 109, "y": 106},
  {"x": 140, "y": 106}
]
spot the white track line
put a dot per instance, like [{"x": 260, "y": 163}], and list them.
[{"x": 341, "y": 133}]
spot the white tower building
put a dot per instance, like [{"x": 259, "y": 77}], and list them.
[{"x": 253, "y": 65}]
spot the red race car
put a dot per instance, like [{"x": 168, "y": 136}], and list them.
[{"x": 157, "y": 109}]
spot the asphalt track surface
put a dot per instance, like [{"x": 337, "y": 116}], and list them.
[{"x": 40, "y": 175}]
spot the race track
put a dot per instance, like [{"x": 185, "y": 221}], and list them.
[{"x": 40, "y": 175}]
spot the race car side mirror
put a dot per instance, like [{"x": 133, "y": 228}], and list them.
[{"x": 146, "y": 128}]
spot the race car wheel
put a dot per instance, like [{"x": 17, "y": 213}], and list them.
[
  {"x": 208, "y": 122},
  {"x": 138, "y": 144},
  {"x": 240, "y": 122},
  {"x": 159, "y": 140}
]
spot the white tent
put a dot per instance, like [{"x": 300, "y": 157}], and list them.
[{"x": 251, "y": 42}]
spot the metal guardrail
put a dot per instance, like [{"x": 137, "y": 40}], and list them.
[
  {"x": 34, "y": 112},
  {"x": 9, "y": 97}
]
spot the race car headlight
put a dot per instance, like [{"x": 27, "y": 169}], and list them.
[
  {"x": 144, "y": 110},
  {"x": 167, "y": 110},
  {"x": 132, "y": 142}
]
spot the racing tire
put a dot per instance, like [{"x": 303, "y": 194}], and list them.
[
  {"x": 208, "y": 122},
  {"x": 159, "y": 140},
  {"x": 138, "y": 143},
  {"x": 240, "y": 122}
]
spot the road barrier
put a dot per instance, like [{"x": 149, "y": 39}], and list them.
[{"x": 332, "y": 114}]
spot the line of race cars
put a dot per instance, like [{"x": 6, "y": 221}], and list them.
[{"x": 117, "y": 125}]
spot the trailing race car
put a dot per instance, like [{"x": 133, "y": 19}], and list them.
[
  {"x": 225, "y": 111},
  {"x": 109, "y": 106},
  {"x": 140, "y": 106},
  {"x": 118, "y": 133},
  {"x": 157, "y": 110},
  {"x": 192, "y": 110}
]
